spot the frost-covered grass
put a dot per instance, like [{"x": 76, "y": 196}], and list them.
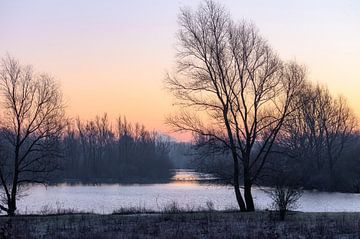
[{"x": 205, "y": 224}]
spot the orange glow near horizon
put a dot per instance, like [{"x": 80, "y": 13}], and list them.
[{"x": 111, "y": 56}]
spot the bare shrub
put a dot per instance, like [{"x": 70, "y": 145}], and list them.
[{"x": 285, "y": 193}]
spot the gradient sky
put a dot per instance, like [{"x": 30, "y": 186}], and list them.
[{"x": 112, "y": 55}]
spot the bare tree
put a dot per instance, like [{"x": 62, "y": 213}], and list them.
[
  {"x": 302, "y": 135},
  {"x": 32, "y": 122},
  {"x": 234, "y": 89},
  {"x": 285, "y": 192},
  {"x": 338, "y": 123},
  {"x": 320, "y": 129}
]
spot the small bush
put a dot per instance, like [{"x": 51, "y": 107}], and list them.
[{"x": 285, "y": 193}]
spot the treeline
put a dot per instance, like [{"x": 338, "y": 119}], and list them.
[
  {"x": 318, "y": 147},
  {"x": 93, "y": 152},
  {"x": 40, "y": 144},
  {"x": 302, "y": 170},
  {"x": 96, "y": 152},
  {"x": 319, "y": 142}
]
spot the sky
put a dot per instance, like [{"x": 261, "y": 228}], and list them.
[{"x": 112, "y": 56}]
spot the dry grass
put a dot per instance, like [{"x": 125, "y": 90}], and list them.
[{"x": 183, "y": 225}]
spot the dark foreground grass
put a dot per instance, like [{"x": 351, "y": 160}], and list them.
[{"x": 183, "y": 225}]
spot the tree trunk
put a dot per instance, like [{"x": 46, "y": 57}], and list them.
[
  {"x": 248, "y": 196},
  {"x": 239, "y": 198},
  {"x": 11, "y": 207},
  {"x": 12, "y": 199},
  {"x": 247, "y": 185}
]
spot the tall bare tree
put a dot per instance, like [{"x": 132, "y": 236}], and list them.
[
  {"x": 31, "y": 124},
  {"x": 320, "y": 129},
  {"x": 234, "y": 89},
  {"x": 339, "y": 123}
]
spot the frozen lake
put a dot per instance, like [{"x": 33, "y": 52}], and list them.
[{"x": 185, "y": 190}]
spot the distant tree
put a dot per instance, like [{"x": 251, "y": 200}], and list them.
[
  {"x": 319, "y": 130},
  {"x": 72, "y": 153},
  {"x": 31, "y": 125},
  {"x": 338, "y": 122},
  {"x": 234, "y": 90},
  {"x": 97, "y": 152},
  {"x": 96, "y": 137}
]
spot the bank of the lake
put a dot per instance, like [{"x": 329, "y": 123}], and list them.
[{"x": 183, "y": 225}]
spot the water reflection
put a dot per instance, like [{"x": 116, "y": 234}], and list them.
[{"x": 188, "y": 189}]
